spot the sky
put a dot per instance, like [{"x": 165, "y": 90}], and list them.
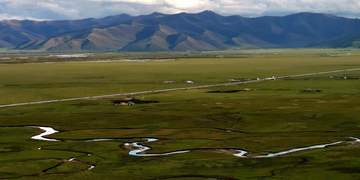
[{"x": 80, "y": 9}]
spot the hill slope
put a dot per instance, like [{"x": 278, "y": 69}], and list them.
[
  {"x": 202, "y": 31},
  {"x": 15, "y": 32},
  {"x": 350, "y": 41}
]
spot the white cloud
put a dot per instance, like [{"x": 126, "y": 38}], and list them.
[
  {"x": 73, "y": 12},
  {"x": 76, "y": 9},
  {"x": 7, "y": 16},
  {"x": 189, "y": 4}
]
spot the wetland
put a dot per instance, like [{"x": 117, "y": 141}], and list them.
[{"x": 273, "y": 130}]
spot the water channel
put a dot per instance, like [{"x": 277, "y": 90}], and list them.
[{"x": 140, "y": 149}]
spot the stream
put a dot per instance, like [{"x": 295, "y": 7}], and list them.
[{"x": 140, "y": 151}]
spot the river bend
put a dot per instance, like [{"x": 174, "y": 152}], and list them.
[{"x": 140, "y": 151}]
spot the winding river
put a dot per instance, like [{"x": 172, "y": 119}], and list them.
[{"x": 140, "y": 151}]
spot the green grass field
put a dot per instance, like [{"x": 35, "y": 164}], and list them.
[
  {"x": 274, "y": 116},
  {"x": 31, "y": 82}
]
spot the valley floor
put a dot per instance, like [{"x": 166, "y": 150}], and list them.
[{"x": 316, "y": 117}]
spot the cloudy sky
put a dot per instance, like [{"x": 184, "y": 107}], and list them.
[{"x": 79, "y": 9}]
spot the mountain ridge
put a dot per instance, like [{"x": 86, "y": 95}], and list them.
[{"x": 180, "y": 32}]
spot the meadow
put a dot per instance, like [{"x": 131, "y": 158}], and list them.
[
  {"x": 274, "y": 116},
  {"x": 31, "y": 82}
]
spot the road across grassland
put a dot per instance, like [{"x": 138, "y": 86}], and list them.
[{"x": 175, "y": 89}]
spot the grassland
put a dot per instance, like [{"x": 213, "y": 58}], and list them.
[
  {"x": 272, "y": 117},
  {"x": 31, "y": 82}
]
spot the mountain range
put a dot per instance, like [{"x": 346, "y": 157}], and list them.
[{"x": 178, "y": 32}]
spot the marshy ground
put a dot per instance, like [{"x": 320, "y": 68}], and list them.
[{"x": 274, "y": 116}]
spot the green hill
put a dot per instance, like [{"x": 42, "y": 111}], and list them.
[{"x": 351, "y": 41}]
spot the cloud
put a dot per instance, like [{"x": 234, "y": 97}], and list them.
[
  {"x": 7, "y": 16},
  {"x": 78, "y": 9},
  {"x": 57, "y": 8}
]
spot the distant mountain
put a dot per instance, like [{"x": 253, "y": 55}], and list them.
[
  {"x": 350, "y": 41},
  {"x": 202, "y": 31},
  {"x": 15, "y": 32}
]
